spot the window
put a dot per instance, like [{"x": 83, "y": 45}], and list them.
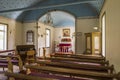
[
  {"x": 30, "y": 37},
  {"x": 47, "y": 38},
  {"x": 103, "y": 34},
  {"x": 3, "y": 36}
]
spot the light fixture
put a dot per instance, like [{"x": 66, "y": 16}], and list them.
[
  {"x": 95, "y": 28},
  {"x": 96, "y": 25},
  {"x": 48, "y": 20},
  {"x": 76, "y": 34}
]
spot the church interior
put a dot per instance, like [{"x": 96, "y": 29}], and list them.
[{"x": 59, "y": 40}]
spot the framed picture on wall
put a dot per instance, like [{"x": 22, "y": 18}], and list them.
[{"x": 66, "y": 32}]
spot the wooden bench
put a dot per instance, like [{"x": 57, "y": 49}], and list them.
[
  {"x": 89, "y": 57},
  {"x": 3, "y": 57},
  {"x": 107, "y": 69},
  {"x": 17, "y": 76},
  {"x": 8, "y": 51},
  {"x": 59, "y": 59},
  {"x": 73, "y": 72},
  {"x": 118, "y": 76},
  {"x": 37, "y": 76},
  {"x": 17, "y": 61}
]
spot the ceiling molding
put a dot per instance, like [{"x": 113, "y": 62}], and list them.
[{"x": 87, "y": 17}]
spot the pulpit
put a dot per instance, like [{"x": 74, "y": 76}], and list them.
[{"x": 22, "y": 50}]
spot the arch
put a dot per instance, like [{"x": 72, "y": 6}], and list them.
[
  {"x": 57, "y": 10},
  {"x": 70, "y": 18}
]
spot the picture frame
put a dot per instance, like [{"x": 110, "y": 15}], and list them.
[{"x": 66, "y": 32}]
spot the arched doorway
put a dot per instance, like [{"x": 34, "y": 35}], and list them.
[{"x": 56, "y": 22}]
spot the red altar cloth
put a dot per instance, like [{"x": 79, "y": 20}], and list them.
[
  {"x": 65, "y": 47},
  {"x": 61, "y": 44}
]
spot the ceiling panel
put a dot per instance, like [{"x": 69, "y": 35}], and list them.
[{"x": 32, "y": 10}]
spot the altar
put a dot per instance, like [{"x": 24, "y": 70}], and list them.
[{"x": 64, "y": 47}]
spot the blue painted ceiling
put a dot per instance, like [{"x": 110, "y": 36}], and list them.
[
  {"x": 59, "y": 19},
  {"x": 32, "y": 10}
]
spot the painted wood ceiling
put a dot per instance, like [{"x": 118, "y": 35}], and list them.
[{"x": 32, "y": 10}]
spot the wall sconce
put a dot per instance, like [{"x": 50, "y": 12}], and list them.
[
  {"x": 95, "y": 28},
  {"x": 45, "y": 33},
  {"x": 41, "y": 35},
  {"x": 10, "y": 31},
  {"x": 76, "y": 34}
]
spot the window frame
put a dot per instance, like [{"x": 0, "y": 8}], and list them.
[
  {"x": 49, "y": 38},
  {"x": 30, "y": 37},
  {"x": 7, "y": 29},
  {"x": 103, "y": 34}
]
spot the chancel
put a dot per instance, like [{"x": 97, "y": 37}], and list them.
[{"x": 59, "y": 39}]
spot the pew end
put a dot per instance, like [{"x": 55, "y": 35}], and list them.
[
  {"x": 111, "y": 70},
  {"x": 10, "y": 65},
  {"x": 118, "y": 76}
]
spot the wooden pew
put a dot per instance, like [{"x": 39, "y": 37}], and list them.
[
  {"x": 107, "y": 69},
  {"x": 17, "y": 61},
  {"x": 76, "y": 60},
  {"x": 36, "y": 76},
  {"x": 118, "y": 76},
  {"x": 7, "y": 65},
  {"x": 6, "y": 51},
  {"x": 17, "y": 76},
  {"x": 73, "y": 72},
  {"x": 89, "y": 57},
  {"x": 4, "y": 55}
]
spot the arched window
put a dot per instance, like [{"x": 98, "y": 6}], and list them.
[
  {"x": 30, "y": 37},
  {"x": 47, "y": 41}
]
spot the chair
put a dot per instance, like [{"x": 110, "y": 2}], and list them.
[{"x": 30, "y": 56}]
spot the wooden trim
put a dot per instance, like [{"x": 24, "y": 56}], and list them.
[{"x": 4, "y": 51}]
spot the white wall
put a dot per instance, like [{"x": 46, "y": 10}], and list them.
[
  {"x": 27, "y": 27},
  {"x": 59, "y": 35},
  {"x": 41, "y": 39},
  {"x": 84, "y": 25},
  {"x": 14, "y": 36},
  {"x": 112, "y": 10},
  {"x": 19, "y": 34}
]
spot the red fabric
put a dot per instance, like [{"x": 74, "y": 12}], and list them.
[
  {"x": 64, "y": 44},
  {"x": 64, "y": 47}
]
